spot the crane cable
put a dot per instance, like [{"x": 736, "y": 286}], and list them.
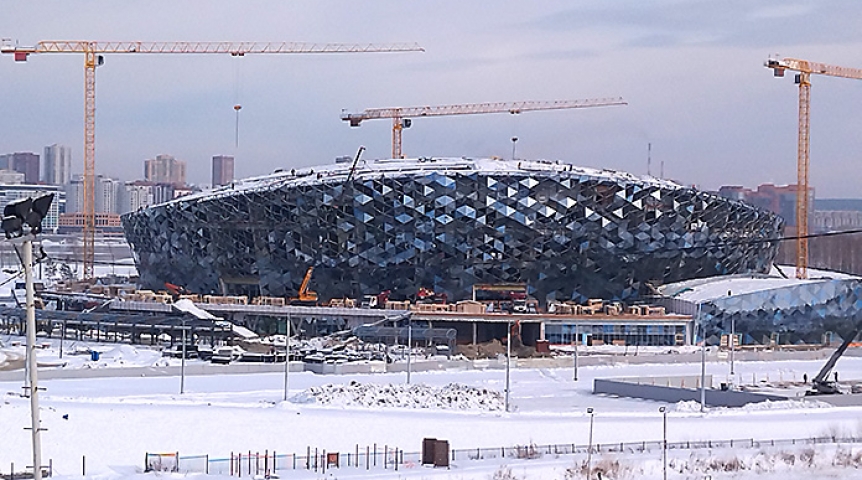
[{"x": 236, "y": 105}]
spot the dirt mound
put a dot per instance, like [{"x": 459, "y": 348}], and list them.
[{"x": 495, "y": 348}]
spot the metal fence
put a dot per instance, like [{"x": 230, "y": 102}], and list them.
[{"x": 385, "y": 457}]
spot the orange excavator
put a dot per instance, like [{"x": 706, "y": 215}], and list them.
[{"x": 305, "y": 296}]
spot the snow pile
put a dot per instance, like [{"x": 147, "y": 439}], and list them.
[
  {"x": 186, "y": 305},
  {"x": 115, "y": 357},
  {"x": 784, "y": 405},
  {"x": 453, "y": 396},
  {"x": 691, "y": 406}
]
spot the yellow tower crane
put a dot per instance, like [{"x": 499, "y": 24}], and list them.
[
  {"x": 401, "y": 116},
  {"x": 805, "y": 69},
  {"x": 93, "y": 51}
]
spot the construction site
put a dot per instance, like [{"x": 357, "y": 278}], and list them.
[
  {"x": 479, "y": 248},
  {"x": 441, "y": 251}
]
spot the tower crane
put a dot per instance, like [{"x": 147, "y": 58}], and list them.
[
  {"x": 401, "y": 116},
  {"x": 803, "y": 79},
  {"x": 93, "y": 50}
]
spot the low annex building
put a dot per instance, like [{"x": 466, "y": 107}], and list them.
[{"x": 770, "y": 309}]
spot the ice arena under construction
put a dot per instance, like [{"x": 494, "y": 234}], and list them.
[{"x": 445, "y": 224}]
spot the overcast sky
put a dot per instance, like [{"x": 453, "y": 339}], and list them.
[{"x": 692, "y": 72}]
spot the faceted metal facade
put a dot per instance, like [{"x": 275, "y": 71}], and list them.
[
  {"x": 798, "y": 311},
  {"x": 446, "y": 224}
]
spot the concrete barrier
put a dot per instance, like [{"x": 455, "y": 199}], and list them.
[
  {"x": 192, "y": 369},
  {"x": 714, "y": 398},
  {"x": 341, "y": 368}
]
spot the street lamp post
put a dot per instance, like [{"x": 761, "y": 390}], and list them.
[
  {"x": 590, "y": 447},
  {"x": 732, "y": 339},
  {"x": 16, "y": 215},
  {"x": 183, "y": 362},
  {"x": 508, "y": 358},
  {"x": 702, "y": 361},
  {"x": 577, "y": 341},
  {"x": 62, "y": 337},
  {"x": 409, "y": 346},
  {"x": 663, "y": 411},
  {"x": 287, "y": 357},
  {"x": 732, "y": 343}
]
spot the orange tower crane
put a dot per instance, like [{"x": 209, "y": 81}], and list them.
[
  {"x": 93, "y": 57},
  {"x": 803, "y": 79},
  {"x": 401, "y": 115}
]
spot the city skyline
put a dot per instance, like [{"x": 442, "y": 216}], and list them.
[{"x": 692, "y": 73}]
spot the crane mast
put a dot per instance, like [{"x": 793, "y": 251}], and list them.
[
  {"x": 401, "y": 116},
  {"x": 92, "y": 51},
  {"x": 91, "y": 60},
  {"x": 803, "y": 79}
]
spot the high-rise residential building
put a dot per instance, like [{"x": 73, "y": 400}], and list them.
[
  {"x": 780, "y": 200},
  {"x": 777, "y": 199},
  {"x": 108, "y": 194},
  {"x": 836, "y": 220},
  {"x": 222, "y": 170},
  {"x": 11, "y": 177},
  {"x": 24, "y": 162},
  {"x": 57, "y": 165},
  {"x": 75, "y": 194},
  {"x": 136, "y": 195},
  {"x": 10, "y": 193},
  {"x": 165, "y": 169}
]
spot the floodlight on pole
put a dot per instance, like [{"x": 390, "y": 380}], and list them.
[{"x": 17, "y": 215}]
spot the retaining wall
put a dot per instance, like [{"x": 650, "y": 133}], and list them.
[{"x": 661, "y": 393}]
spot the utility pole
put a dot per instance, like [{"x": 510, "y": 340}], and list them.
[
  {"x": 649, "y": 160},
  {"x": 663, "y": 411},
  {"x": 183, "y": 362},
  {"x": 702, "y": 361},
  {"x": 409, "y": 346},
  {"x": 508, "y": 358},
  {"x": 577, "y": 341},
  {"x": 35, "y": 422},
  {"x": 732, "y": 339},
  {"x": 590, "y": 447},
  {"x": 287, "y": 358}
]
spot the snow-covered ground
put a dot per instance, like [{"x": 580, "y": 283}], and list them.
[{"x": 113, "y": 421}]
